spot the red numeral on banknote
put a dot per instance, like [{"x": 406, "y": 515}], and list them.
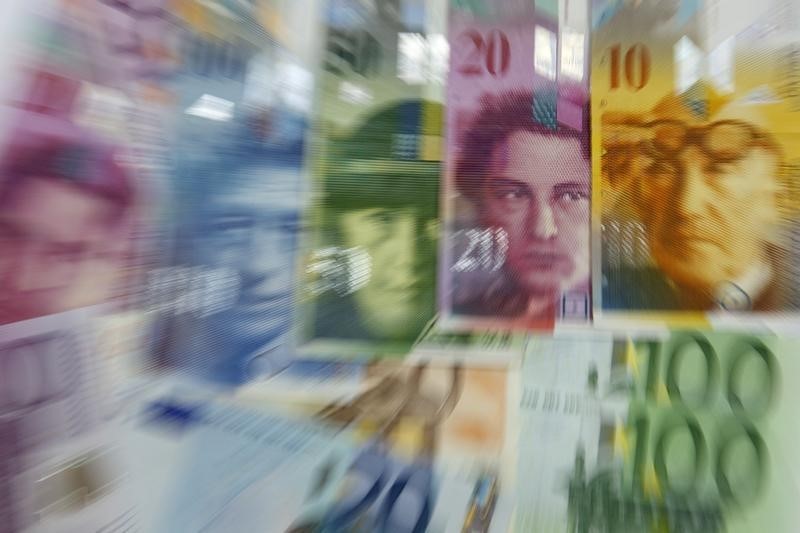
[
  {"x": 636, "y": 66},
  {"x": 492, "y": 54}
]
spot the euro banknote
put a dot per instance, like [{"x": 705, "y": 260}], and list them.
[
  {"x": 448, "y": 411},
  {"x": 370, "y": 257},
  {"x": 696, "y": 147},
  {"x": 370, "y": 490},
  {"x": 221, "y": 467},
  {"x": 689, "y": 431},
  {"x": 515, "y": 247}
]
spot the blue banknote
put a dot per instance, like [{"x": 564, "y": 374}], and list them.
[{"x": 224, "y": 290}]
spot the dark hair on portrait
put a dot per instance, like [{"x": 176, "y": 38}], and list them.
[
  {"x": 86, "y": 166},
  {"x": 381, "y": 162},
  {"x": 500, "y": 116},
  {"x": 206, "y": 167}
]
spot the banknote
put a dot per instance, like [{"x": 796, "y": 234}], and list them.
[
  {"x": 223, "y": 291},
  {"x": 70, "y": 197},
  {"x": 373, "y": 491},
  {"x": 370, "y": 258},
  {"x": 234, "y": 469},
  {"x": 515, "y": 251},
  {"x": 688, "y": 431},
  {"x": 451, "y": 412},
  {"x": 203, "y": 463},
  {"x": 438, "y": 342},
  {"x": 432, "y": 440},
  {"x": 60, "y": 466},
  {"x": 695, "y": 158}
]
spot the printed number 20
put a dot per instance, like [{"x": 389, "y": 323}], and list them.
[
  {"x": 492, "y": 54},
  {"x": 637, "y": 66}
]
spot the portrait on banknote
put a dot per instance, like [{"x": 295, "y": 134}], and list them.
[
  {"x": 223, "y": 292},
  {"x": 695, "y": 165},
  {"x": 67, "y": 200},
  {"x": 709, "y": 194},
  {"x": 370, "y": 259},
  {"x": 232, "y": 265},
  {"x": 373, "y": 270},
  {"x": 517, "y": 187},
  {"x": 530, "y": 189}
]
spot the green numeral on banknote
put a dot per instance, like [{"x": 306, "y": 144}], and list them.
[
  {"x": 691, "y": 453},
  {"x": 750, "y": 380},
  {"x": 660, "y": 451},
  {"x": 736, "y": 373},
  {"x": 746, "y": 351},
  {"x": 711, "y": 369},
  {"x": 737, "y": 435},
  {"x": 725, "y": 462}
]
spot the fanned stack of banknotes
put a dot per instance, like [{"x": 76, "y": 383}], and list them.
[{"x": 400, "y": 266}]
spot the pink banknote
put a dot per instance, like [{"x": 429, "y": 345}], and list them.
[{"x": 516, "y": 192}]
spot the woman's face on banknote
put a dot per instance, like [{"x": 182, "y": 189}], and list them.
[
  {"x": 54, "y": 238},
  {"x": 538, "y": 191}
]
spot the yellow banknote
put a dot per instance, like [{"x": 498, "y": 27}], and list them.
[{"x": 696, "y": 158}]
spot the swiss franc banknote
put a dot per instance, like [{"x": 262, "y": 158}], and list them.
[
  {"x": 429, "y": 457},
  {"x": 60, "y": 466},
  {"x": 204, "y": 465},
  {"x": 69, "y": 197},
  {"x": 223, "y": 293},
  {"x": 515, "y": 251},
  {"x": 370, "y": 260},
  {"x": 690, "y": 431},
  {"x": 696, "y": 157}
]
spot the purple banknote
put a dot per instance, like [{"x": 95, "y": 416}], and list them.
[{"x": 515, "y": 252}]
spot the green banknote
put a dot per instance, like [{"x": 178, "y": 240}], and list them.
[
  {"x": 696, "y": 158},
  {"x": 688, "y": 432},
  {"x": 370, "y": 260}
]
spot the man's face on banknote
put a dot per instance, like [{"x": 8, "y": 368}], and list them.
[
  {"x": 538, "y": 191},
  {"x": 248, "y": 229},
  {"x": 400, "y": 241},
  {"x": 710, "y": 198}
]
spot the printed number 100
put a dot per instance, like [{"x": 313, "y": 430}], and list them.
[{"x": 737, "y": 432}]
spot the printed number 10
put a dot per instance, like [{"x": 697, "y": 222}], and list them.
[{"x": 637, "y": 66}]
